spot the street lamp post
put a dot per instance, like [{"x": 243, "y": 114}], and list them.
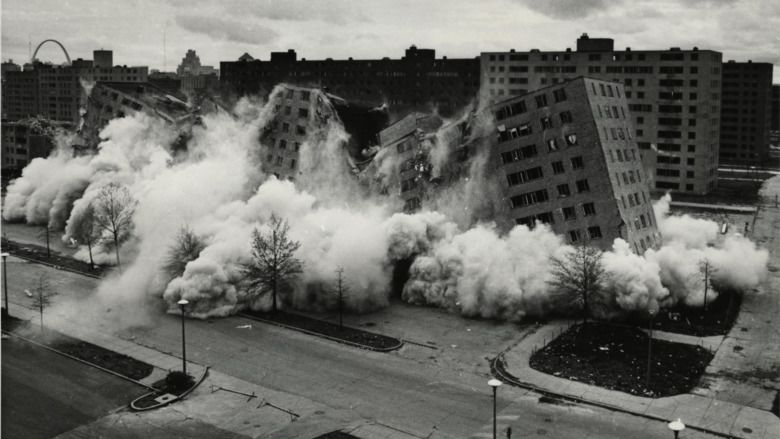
[
  {"x": 182, "y": 303},
  {"x": 494, "y": 383},
  {"x": 676, "y": 426},
  {"x": 649, "y": 346},
  {"x": 5, "y": 283}
]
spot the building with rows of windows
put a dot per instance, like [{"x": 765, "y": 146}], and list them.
[
  {"x": 417, "y": 81},
  {"x": 567, "y": 155},
  {"x": 746, "y": 113},
  {"x": 674, "y": 96}
]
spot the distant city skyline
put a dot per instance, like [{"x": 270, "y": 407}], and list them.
[{"x": 221, "y": 31}]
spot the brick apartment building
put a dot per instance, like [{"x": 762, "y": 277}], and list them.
[
  {"x": 418, "y": 81},
  {"x": 565, "y": 155},
  {"x": 674, "y": 97},
  {"x": 746, "y": 113},
  {"x": 57, "y": 92}
]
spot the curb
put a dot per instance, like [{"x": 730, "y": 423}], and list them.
[
  {"x": 177, "y": 398},
  {"x": 327, "y": 337},
  {"x": 498, "y": 370},
  {"x": 80, "y": 360}
]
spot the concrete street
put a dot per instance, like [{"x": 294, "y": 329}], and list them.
[{"x": 410, "y": 390}]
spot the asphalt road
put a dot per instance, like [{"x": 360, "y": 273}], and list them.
[{"x": 45, "y": 394}]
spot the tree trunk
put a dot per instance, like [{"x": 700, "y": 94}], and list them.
[
  {"x": 91, "y": 261},
  {"x": 116, "y": 249},
  {"x": 273, "y": 290},
  {"x": 584, "y": 308}
]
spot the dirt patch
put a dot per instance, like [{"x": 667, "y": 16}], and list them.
[
  {"x": 718, "y": 320},
  {"x": 37, "y": 253},
  {"x": 345, "y": 333},
  {"x": 615, "y": 358},
  {"x": 113, "y": 361}
]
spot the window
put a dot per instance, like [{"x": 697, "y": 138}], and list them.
[
  {"x": 594, "y": 232},
  {"x": 558, "y": 168},
  {"x": 566, "y": 117},
  {"x": 519, "y": 154},
  {"x": 546, "y": 123},
  {"x": 282, "y": 144},
  {"x": 541, "y": 101},
  {"x": 559, "y": 95},
  {"x": 589, "y": 209},
  {"x": 577, "y": 163},
  {"x": 552, "y": 144},
  {"x": 412, "y": 204},
  {"x": 279, "y": 160},
  {"x": 292, "y": 164},
  {"x": 563, "y": 190},
  {"x": 569, "y": 214},
  {"x": 582, "y": 186},
  {"x": 524, "y": 176},
  {"x": 691, "y": 161},
  {"x": 529, "y": 198},
  {"x": 408, "y": 184},
  {"x": 287, "y": 110},
  {"x": 619, "y": 154},
  {"x": 404, "y": 146},
  {"x": 303, "y": 112},
  {"x": 286, "y": 126},
  {"x": 574, "y": 235},
  {"x": 691, "y": 148},
  {"x": 571, "y": 139},
  {"x": 300, "y": 130}
]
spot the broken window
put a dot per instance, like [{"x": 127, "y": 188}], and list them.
[
  {"x": 546, "y": 123},
  {"x": 594, "y": 232},
  {"x": 552, "y": 144},
  {"x": 524, "y": 176},
  {"x": 571, "y": 139},
  {"x": 583, "y": 186},
  {"x": 569, "y": 214},
  {"x": 529, "y": 198},
  {"x": 559, "y": 95}
]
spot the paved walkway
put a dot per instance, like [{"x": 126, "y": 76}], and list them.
[
  {"x": 210, "y": 411},
  {"x": 695, "y": 410},
  {"x": 735, "y": 394}
]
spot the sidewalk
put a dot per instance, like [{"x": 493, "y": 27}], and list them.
[
  {"x": 213, "y": 412},
  {"x": 698, "y": 412}
]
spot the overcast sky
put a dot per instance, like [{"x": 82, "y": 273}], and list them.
[{"x": 221, "y": 31}]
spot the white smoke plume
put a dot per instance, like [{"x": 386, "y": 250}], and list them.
[{"x": 216, "y": 187}]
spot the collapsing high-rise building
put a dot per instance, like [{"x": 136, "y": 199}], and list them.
[{"x": 564, "y": 155}]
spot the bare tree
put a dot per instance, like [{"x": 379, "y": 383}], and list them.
[
  {"x": 274, "y": 265},
  {"x": 580, "y": 275},
  {"x": 340, "y": 289},
  {"x": 42, "y": 295},
  {"x": 185, "y": 248},
  {"x": 114, "y": 208},
  {"x": 45, "y": 234},
  {"x": 707, "y": 270},
  {"x": 86, "y": 232}
]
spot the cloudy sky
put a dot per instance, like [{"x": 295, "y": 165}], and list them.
[{"x": 223, "y": 30}]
